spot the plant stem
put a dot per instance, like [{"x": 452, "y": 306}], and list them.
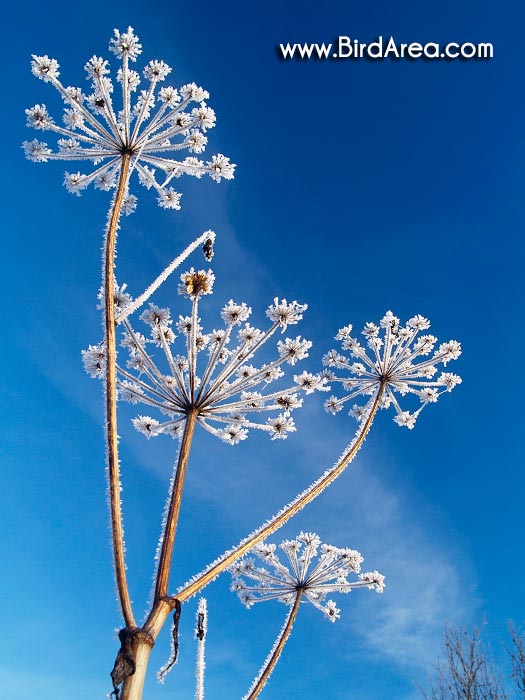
[
  {"x": 133, "y": 685},
  {"x": 162, "y": 606},
  {"x": 160, "y": 612},
  {"x": 265, "y": 674},
  {"x": 163, "y": 571},
  {"x": 111, "y": 399},
  {"x": 202, "y": 624}
]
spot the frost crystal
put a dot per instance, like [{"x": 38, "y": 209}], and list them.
[
  {"x": 394, "y": 360},
  {"x": 149, "y": 129}
]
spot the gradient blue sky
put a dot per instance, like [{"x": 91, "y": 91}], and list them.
[{"x": 361, "y": 186}]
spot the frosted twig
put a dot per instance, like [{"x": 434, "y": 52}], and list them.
[
  {"x": 200, "y": 634},
  {"x": 174, "y": 264}
]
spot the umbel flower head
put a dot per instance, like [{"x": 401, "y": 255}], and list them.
[
  {"x": 151, "y": 125},
  {"x": 229, "y": 394},
  {"x": 315, "y": 573},
  {"x": 397, "y": 360}
]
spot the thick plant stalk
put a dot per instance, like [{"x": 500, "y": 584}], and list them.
[
  {"x": 160, "y": 611},
  {"x": 133, "y": 685},
  {"x": 275, "y": 653},
  {"x": 168, "y": 539},
  {"x": 143, "y": 641},
  {"x": 111, "y": 399}
]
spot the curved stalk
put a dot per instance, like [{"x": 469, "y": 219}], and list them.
[
  {"x": 111, "y": 399},
  {"x": 261, "y": 680},
  {"x": 159, "y": 613},
  {"x": 168, "y": 539}
]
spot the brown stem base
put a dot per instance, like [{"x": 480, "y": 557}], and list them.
[{"x": 131, "y": 663}]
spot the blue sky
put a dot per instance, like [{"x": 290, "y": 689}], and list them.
[{"x": 361, "y": 186}]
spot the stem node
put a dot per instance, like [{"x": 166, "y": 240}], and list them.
[{"x": 125, "y": 663}]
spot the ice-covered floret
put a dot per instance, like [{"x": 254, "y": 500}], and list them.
[
  {"x": 94, "y": 359},
  {"x": 395, "y": 361},
  {"x": 155, "y": 316},
  {"x": 313, "y": 570},
  {"x": 374, "y": 580},
  {"x": 293, "y": 350},
  {"x": 310, "y": 382},
  {"x": 285, "y": 314},
  {"x": 37, "y": 151},
  {"x": 234, "y": 313},
  {"x": 281, "y": 426},
  {"x": 219, "y": 167},
  {"x": 146, "y": 425},
  {"x": 125, "y": 45},
  {"x": 121, "y": 298},
  {"x": 148, "y": 126},
  {"x": 225, "y": 387},
  {"x": 45, "y": 68}
]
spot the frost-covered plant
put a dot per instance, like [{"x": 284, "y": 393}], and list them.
[
  {"x": 229, "y": 395},
  {"x": 140, "y": 133},
  {"x": 212, "y": 379},
  {"x": 201, "y": 629},
  {"x": 118, "y": 141},
  {"x": 394, "y": 364},
  {"x": 224, "y": 391},
  {"x": 228, "y": 390},
  {"x": 303, "y": 580},
  {"x": 383, "y": 377}
]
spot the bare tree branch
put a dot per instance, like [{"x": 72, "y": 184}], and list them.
[
  {"x": 466, "y": 671},
  {"x": 517, "y": 657}
]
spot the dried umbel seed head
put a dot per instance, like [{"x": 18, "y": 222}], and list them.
[
  {"x": 152, "y": 128},
  {"x": 230, "y": 393},
  {"x": 397, "y": 361},
  {"x": 196, "y": 284},
  {"x": 315, "y": 570}
]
